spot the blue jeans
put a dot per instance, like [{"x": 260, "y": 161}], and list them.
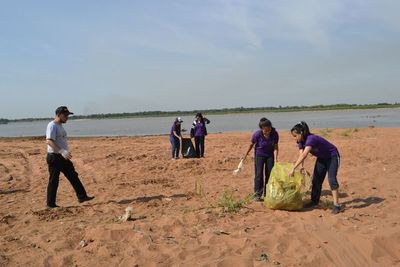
[
  {"x": 176, "y": 145},
  {"x": 263, "y": 165},
  {"x": 323, "y": 166}
]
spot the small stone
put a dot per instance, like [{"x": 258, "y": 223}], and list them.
[
  {"x": 10, "y": 178},
  {"x": 352, "y": 192},
  {"x": 374, "y": 187},
  {"x": 318, "y": 246},
  {"x": 48, "y": 240},
  {"x": 277, "y": 263},
  {"x": 83, "y": 243},
  {"x": 325, "y": 242}
]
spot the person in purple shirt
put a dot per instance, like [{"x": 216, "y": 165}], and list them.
[
  {"x": 199, "y": 132},
  {"x": 176, "y": 137},
  {"x": 328, "y": 160},
  {"x": 265, "y": 142}
]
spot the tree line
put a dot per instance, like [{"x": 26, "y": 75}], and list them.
[{"x": 217, "y": 111}]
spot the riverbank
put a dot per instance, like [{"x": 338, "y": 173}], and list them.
[{"x": 176, "y": 218}]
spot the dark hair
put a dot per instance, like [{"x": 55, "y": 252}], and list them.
[
  {"x": 301, "y": 128},
  {"x": 200, "y": 117},
  {"x": 264, "y": 122}
]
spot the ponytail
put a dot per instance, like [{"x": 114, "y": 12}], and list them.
[{"x": 301, "y": 128}]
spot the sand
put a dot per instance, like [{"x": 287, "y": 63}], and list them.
[{"x": 175, "y": 219}]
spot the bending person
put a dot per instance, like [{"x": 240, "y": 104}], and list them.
[
  {"x": 328, "y": 160},
  {"x": 176, "y": 137}
]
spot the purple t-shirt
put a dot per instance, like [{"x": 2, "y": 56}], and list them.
[
  {"x": 199, "y": 129},
  {"x": 320, "y": 147},
  {"x": 176, "y": 128},
  {"x": 264, "y": 147}
]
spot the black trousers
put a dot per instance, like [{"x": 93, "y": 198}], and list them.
[
  {"x": 58, "y": 164},
  {"x": 263, "y": 167},
  {"x": 323, "y": 166},
  {"x": 199, "y": 144}
]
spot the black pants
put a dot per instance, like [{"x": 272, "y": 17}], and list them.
[
  {"x": 323, "y": 166},
  {"x": 58, "y": 164},
  {"x": 263, "y": 165},
  {"x": 199, "y": 144}
]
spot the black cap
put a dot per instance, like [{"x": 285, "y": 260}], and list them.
[{"x": 63, "y": 110}]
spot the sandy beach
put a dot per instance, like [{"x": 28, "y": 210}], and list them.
[{"x": 176, "y": 220}]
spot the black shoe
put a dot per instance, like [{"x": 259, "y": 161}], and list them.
[
  {"x": 87, "y": 198},
  {"x": 52, "y": 206},
  {"x": 258, "y": 199},
  {"x": 336, "y": 209},
  {"x": 311, "y": 205}
]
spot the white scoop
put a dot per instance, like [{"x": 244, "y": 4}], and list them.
[{"x": 239, "y": 168}]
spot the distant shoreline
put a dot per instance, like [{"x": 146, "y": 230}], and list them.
[{"x": 224, "y": 111}]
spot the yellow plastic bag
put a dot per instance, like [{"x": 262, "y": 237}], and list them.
[{"x": 284, "y": 192}]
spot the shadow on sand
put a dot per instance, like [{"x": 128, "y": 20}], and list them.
[{"x": 359, "y": 203}]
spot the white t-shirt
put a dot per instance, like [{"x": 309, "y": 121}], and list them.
[{"x": 57, "y": 133}]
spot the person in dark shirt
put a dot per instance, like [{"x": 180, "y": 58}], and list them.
[
  {"x": 265, "y": 142},
  {"x": 328, "y": 161},
  {"x": 176, "y": 137},
  {"x": 199, "y": 132}
]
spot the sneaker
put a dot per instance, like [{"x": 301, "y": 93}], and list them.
[
  {"x": 336, "y": 209},
  {"x": 87, "y": 198},
  {"x": 52, "y": 206}
]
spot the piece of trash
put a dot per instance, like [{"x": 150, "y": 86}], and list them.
[
  {"x": 239, "y": 168},
  {"x": 167, "y": 199},
  {"x": 127, "y": 215},
  {"x": 220, "y": 232},
  {"x": 83, "y": 243},
  {"x": 264, "y": 257}
]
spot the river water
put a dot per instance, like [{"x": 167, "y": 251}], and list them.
[{"x": 219, "y": 123}]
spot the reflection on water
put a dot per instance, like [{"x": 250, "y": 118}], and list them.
[{"x": 219, "y": 123}]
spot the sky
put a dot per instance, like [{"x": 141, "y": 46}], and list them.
[{"x": 98, "y": 56}]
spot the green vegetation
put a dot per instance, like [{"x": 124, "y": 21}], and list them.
[
  {"x": 219, "y": 111},
  {"x": 229, "y": 203},
  {"x": 3, "y": 121}
]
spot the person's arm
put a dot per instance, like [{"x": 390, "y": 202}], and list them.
[
  {"x": 175, "y": 134},
  {"x": 276, "y": 152},
  {"x": 248, "y": 151},
  {"x": 59, "y": 150},
  {"x": 302, "y": 163},
  {"x": 300, "y": 159},
  {"x": 207, "y": 121}
]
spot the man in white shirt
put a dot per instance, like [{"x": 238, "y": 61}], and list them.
[{"x": 59, "y": 159}]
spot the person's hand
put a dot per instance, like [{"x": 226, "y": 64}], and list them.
[
  {"x": 65, "y": 154},
  {"x": 291, "y": 173}
]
